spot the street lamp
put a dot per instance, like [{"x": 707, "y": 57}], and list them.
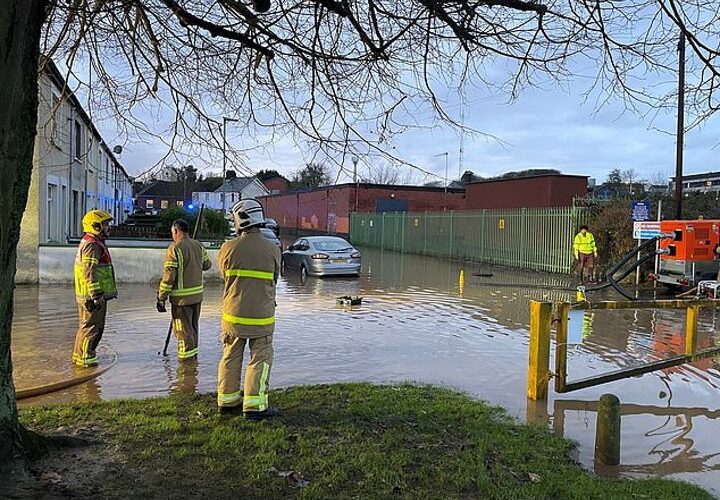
[
  {"x": 224, "y": 147},
  {"x": 445, "y": 154}
]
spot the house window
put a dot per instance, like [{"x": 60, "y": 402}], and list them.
[
  {"x": 179, "y": 203},
  {"x": 78, "y": 140},
  {"x": 149, "y": 203},
  {"x": 164, "y": 204},
  {"x": 207, "y": 197}
]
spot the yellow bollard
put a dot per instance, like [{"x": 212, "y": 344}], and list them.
[
  {"x": 539, "y": 358},
  {"x": 461, "y": 281},
  {"x": 691, "y": 319}
]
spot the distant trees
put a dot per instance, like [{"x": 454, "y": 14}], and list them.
[
  {"x": 311, "y": 176},
  {"x": 266, "y": 175}
]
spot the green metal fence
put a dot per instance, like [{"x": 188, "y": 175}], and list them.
[{"x": 530, "y": 238}]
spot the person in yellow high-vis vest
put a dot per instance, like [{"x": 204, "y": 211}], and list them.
[
  {"x": 250, "y": 265},
  {"x": 182, "y": 281},
  {"x": 94, "y": 286},
  {"x": 585, "y": 251}
]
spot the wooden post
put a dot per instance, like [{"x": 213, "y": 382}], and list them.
[
  {"x": 607, "y": 431},
  {"x": 539, "y": 358},
  {"x": 561, "y": 335}
]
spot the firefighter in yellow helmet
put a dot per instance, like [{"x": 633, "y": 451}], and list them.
[
  {"x": 182, "y": 281},
  {"x": 94, "y": 286},
  {"x": 251, "y": 266}
]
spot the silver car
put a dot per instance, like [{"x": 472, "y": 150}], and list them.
[
  {"x": 269, "y": 234},
  {"x": 322, "y": 256}
]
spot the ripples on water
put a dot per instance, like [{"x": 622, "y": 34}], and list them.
[{"x": 415, "y": 323}]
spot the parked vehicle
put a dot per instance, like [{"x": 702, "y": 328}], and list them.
[
  {"x": 322, "y": 256},
  {"x": 272, "y": 224},
  {"x": 269, "y": 234}
]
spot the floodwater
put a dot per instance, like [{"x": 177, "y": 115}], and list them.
[{"x": 416, "y": 323}]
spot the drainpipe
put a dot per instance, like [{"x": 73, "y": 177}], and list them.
[{"x": 68, "y": 227}]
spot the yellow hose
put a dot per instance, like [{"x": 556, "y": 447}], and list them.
[
  {"x": 63, "y": 384},
  {"x": 686, "y": 293}
]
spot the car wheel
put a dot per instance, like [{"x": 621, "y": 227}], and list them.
[{"x": 303, "y": 272}]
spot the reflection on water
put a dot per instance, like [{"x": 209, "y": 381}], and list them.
[{"x": 418, "y": 321}]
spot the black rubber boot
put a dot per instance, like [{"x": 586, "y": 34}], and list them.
[
  {"x": 230, "y": 410},
  {"x": 261, "y": 415}
]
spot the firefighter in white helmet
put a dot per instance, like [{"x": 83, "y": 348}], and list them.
[
  {"x": 251, "y": 266},
  {"x": 94, "y": 286}
]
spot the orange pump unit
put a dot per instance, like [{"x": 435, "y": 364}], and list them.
[
  {"x": 689, "y": 255},
  {"x": 694, "y": 240}
]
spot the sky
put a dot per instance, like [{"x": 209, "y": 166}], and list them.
[
  {"x": 542, "y": 129},
  {"x": 548, "y": 126}
]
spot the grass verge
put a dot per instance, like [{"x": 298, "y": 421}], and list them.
[{"x": 345, "y": 440}]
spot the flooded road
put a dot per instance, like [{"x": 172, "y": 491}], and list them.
[{"x": 416, "y": 323}]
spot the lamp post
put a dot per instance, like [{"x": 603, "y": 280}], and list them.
[
  {"x": 445, "y": 154},
  {"x": 224, "y": 148},
  {"x": 355, "y": 160}
]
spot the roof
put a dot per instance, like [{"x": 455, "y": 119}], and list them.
[
  {"x": 698, "y": 176},
  {"x": 526, "y": 177},
  {"x": 170, "y": 189},
  {"x": 364, "y": 185},
  {"x": 235, "y": 185}
]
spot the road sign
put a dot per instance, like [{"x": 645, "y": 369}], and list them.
[
  {"x": 640, "y": 210},
  {"x": 644, "y": 230}
]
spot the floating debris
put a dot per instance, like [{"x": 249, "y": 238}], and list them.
[{"x": 347, "y": 300}]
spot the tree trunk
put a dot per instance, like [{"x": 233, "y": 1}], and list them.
[{"x": 20, "y": 28}]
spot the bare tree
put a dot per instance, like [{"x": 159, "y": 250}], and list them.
[
  {"x": 383, "y": 172},
  {"x": 340, "y": 76}
]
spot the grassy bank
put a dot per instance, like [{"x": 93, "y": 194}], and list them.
[{"x": 351, "y": 440}]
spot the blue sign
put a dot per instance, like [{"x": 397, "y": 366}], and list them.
[{"x": 640, "y": 210}]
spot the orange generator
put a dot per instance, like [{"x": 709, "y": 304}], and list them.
[{"x": 688, "y": 252}]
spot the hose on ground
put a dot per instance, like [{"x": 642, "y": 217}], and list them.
[{"x": 63, "y": 384}]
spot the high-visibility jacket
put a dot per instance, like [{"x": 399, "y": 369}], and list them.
[
  {"x": 251, "y": 266},
  {"x": 584, "y": 244},
  {"x": 94, "y": 273},
  {"x": 182, "y": 276}
]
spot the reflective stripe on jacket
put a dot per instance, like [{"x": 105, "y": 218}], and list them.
[
  {"x": 94, "y": 273},
  {"x": 182, "y": 276},
  {"x": 584, "y": 244},
  {"x": 250, "y": 265}
]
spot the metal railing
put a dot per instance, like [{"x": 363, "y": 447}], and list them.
[
  {"x": 541, "y": 320},
  {"x": 531, "y": 238}
]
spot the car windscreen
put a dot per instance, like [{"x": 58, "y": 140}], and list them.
[{"x": 331, "y": 245}]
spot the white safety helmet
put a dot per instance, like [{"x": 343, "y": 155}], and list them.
[{"x": 247, "y": 213}]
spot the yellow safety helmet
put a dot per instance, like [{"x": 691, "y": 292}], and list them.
[{"x": 93, "y": 220}]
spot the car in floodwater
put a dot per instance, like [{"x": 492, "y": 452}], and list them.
[
  {"x": 269, "y": 234},
  {"x": 322, "y": 256}
]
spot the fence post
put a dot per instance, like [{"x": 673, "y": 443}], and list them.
[
  {"x": 382, "y": 234},
  {"x": 402, "y": 233},
  {"x": 607, "y": 431},
  {"x": 425, "y": 217},
  {"x": 539, "y": 358},
  {"x": 561, "y": 335},
  {"x": 691, "y": 320},
  {"x": 451, "y": 235}
]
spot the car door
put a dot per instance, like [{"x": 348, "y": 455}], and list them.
[{"x": 291, "y": 255}]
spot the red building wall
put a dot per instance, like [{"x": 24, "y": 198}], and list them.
[
  {"x": 328, "y": 210},
  {"x": 529, "y": 192},
  {"x": 279, "y": 184}
]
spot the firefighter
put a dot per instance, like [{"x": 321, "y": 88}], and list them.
[
  {"x": 182, "y": 281},
  {"x": 94, "y": 286},
  {"x": 250, "y": 265},
  {"x": 585, "y": 251}
]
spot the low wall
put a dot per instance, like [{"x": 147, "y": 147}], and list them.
[{"x": 132, "y": 264}]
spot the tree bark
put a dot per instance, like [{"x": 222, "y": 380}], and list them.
[{"x": 20, "y": 29}]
